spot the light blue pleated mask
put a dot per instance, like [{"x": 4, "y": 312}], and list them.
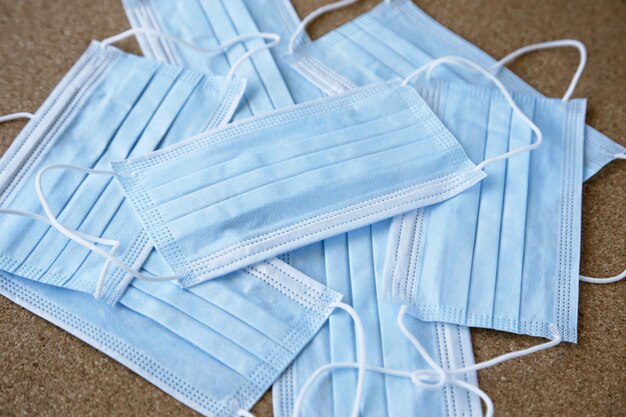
[
  {"x": 396, "y": 37},
  {"x": 110, "y": 105},
  {"x": 494, "y": 257},
  {"x": 353, "y": 266},
  {"x": 269, "y": 184}
]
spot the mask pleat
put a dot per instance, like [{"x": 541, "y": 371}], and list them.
[
  {"x": 80, "y": 143},
  {"x": 251, "y": 162},
  {"x": 488, "y": 231},
  {"x": 99, "y": 198},
  {"x": 232, "y": 356},
  {"x": 365, "y": 302},
  {"x": 265, "y": 68},
  {"x": 304, "y": 168},
  {"x": 342, "y": 338},
  {"x": 210, "y": 316},
  {"x": 511, "y": 252},
  {"x": 439, "y": 284},
  {"x": 300, "y": 130}
]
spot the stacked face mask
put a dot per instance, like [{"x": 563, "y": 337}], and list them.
[
  {"x": 453, "y": 342},
  {"x": 222, "y": 344},
  {"x": 353, "y": 266},
  {"x": 359, "y": 53},
  {"x": 507, "y": 265},
  {"x": 260, "y": 187},
  {"x": 110, "y": 105}
]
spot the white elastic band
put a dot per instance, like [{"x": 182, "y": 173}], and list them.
[
  {"x": 16, "y": 116},
  {"x": 244, "y": 413},
  {"x": 272, "y": 37},
  {"x": 76, "y": 236},
  {"x": 563, "y": 43},
  {"x": 462, "y": 62},
  {"x": 616, "y": 278},
  {"x": 609, "y": 280},
  {"x": 115, "y": 244},
  {"x": 314, "y": 15},
  {"x": 361, "y": 364}
]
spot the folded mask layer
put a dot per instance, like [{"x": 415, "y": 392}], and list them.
[
  {"x": 272, "y": 183},
  {"x": 354, "y": 265},
  {"x": 110, "y": 105},
  {"x": 216, "y": 348},
  {"x": 396, "y": 37},
  {"x": 505, "y": 254}
]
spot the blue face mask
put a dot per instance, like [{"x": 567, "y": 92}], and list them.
[
  {"x": 514, "y": 268},
  {"x": 260, "y": 187},
  {"x": 396, "y": 37},
  {"x": 148, "y": 105},
  {"x": 272, "y": 83},
  {"x": 354, "y": 265}
]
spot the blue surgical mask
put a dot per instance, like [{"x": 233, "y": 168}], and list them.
[
  {"x": 514, "y": 268},
  {"x": 394, "y": 38},
  {"x": 110, "y": 105},
  {"x": 216, "y": 348},
  {"x": 354, "y": 265},
  {"x": 260, "y": 187},
  {"x": 272, "y": 83}
]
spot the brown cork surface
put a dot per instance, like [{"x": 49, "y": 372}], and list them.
[{"x": 44, "y": 371}]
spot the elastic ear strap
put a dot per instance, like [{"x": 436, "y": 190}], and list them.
[
  {"x": 361, "y": 366},
  {"x": 314, "y": 15},
  {"x": 609, "y": 280},
  {"x": 563, "y": 43},
  {"x": 467, "y": 64},
  {"x": 272, "y": 37},
  {"x": 76, "y": 236},
  {"x": 16, "y": 116}
]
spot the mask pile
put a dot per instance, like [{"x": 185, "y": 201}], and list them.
[{"x": 328, "y": 217}]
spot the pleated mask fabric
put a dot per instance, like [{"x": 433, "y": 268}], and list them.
[
  {"x": 216, "y": 348},
  {"x": 273, "y": 183},
  {"x": 110, "y": 105},
  {"x": 512, "y": 260},
  {"x": 353, "y": 266},
  {"x": 393, "y": 39}
]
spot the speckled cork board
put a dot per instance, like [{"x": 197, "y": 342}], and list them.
[{"x": 44, "y": 371}]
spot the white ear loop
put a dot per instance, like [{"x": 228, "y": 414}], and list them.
[
  {"x": 79, "y": 238},
  {"x": 465, "y": 63},
  {"x": 314, "y": 15},
  {"x": 16, "y": 116},
  {"x": 272, "y": 37},
  {"x": 563, "y": 43},
  {"x": 616, "y": 278}
]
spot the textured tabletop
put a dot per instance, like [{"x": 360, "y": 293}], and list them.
[{"x": 45, "y": 371}]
